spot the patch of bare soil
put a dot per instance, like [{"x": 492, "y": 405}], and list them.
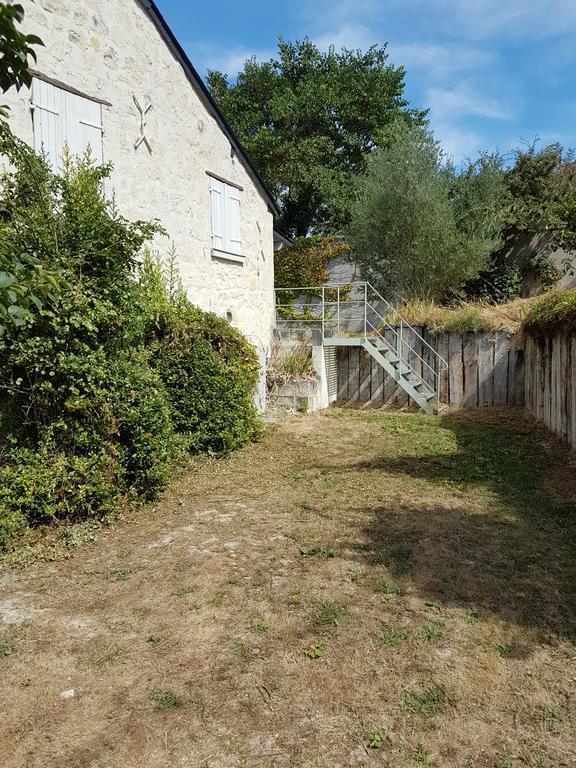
[{"x": 360, "y": 588}]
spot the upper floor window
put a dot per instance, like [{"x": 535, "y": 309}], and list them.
[
  {"x": 64, "y": 118},
  {"x": 225, "y": 217}
]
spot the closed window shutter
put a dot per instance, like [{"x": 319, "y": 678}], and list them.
[
  {"x": 60, "y": 118},
  {"x": 48, "y": 123},
  {"x": 232, "y": 208},
  {"x": 218, "y": 215},
  {"x": 84, "y": 126}
]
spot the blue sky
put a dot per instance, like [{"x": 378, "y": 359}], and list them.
[{"x": 493, "y": 73}]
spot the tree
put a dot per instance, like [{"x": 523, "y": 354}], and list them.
[
  {"x": 24, "y": 281},
  {"x": 309, "y": 120},
  {"x": 16, "y": 49},
  {"x": 418, "y": 226},
  {"x": 539, "y": 211}
]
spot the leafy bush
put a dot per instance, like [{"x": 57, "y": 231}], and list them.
[
  {"x": 141, "y": 423},
  {"x": 304, "y": 263},
  {"x": 44, "y": 484},
  {"x": 208, "y": 368},
  {"x": 101, "y": 374}
]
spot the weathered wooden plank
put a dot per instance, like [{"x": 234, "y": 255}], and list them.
[
  {"x": 541, "y": 383},
  {"x": 456, "y": 371},
  {"x": 565, "y": 389},
  {"x": 551, "y": 383},
  {"x": 518, "y": 397},
  {"x": 342, "y": 362},
  {"x": 573, "y": 391},
  {"x": 501, "y": 360},
  {"x": 442, "y": 347},
  {"x": 570, "y": 376},
  {"x": 528, "y": 374},
  {"x": 412, "y": 355},
  {"x": 354, "y": 375},
  {"x": 561, "y": 425},
  {"x": 365, "y": 371},
  {"x": 547, "y": 365},
  {"x": 555, "y": 387},
  {"x": 485, "y": 370},
  {"x": 430, "y": 364},
  {"x": 389, "y": 385},
  {"x": 470, "y": 362},
  {"x": 377, "y": 384},
  {"x": 417, "y": 350}
]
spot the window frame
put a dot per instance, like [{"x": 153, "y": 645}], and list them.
[
  {"x": 225, "y": 231},
  {"x": 73, "y": 113}
]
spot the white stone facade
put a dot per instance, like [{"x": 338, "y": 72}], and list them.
[{"x": 112, "y": 50}]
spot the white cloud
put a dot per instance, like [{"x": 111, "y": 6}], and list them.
[
  {"x": 474, "y": 19},
  {"x": 205, "y": 56},
  {"x": 463, "y": 100},
  {"x": 515, "y": 19},
  {"x": 349, "y": 36},
  {"x": 458, "y": 144},
  {"x": 439, "y": 60}
]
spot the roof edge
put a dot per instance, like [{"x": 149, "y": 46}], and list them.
[{"x": 205, "y": 96}]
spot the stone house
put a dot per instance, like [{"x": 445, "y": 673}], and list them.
[{"x": 113, "y": 76}]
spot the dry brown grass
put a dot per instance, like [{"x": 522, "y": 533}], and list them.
[
  {"x": 468, "y": 315},
  {"x": 360, "y": 588}
]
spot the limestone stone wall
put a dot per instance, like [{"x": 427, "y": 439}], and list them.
[{"x": 111, "y": 50}]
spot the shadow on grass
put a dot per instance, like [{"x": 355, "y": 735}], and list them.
[{"x": 505, "y": 543}]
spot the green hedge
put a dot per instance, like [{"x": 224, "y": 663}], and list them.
[
  {"x": 103, "y": 378},
  {"x": 210, "y": 373}
]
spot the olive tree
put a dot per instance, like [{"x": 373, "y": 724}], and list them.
[{"x": 419, "y": 226}]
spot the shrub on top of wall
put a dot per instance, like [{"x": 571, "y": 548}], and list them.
[
  {"x": 104, "y": 376},
  {"x": 554, "y": 313}
]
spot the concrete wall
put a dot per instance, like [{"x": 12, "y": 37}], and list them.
[
  {"x": 111, "y": 50},
  {"x": 527, "y": 247}
]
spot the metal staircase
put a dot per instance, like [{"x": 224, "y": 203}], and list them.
[{"x": 358, "y": 315}]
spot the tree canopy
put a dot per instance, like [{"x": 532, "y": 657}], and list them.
[
  {"x": 420, "y": 227},
  {"x": 309, "y": 121},
  {"x": 539, "y": 210},
  {"x": 16, "y": 48}
]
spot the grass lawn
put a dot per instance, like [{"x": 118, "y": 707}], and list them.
[{"x": 360, "y": 588}]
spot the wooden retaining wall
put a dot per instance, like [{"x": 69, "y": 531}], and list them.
[
  {"x": 551, "y": 383},
  {"x": 485, "y": 369}
]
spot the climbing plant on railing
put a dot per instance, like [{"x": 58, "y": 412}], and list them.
[{"x": 304, "y": 264}]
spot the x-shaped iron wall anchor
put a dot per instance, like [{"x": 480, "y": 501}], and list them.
[{"x": 143, "y": 111}]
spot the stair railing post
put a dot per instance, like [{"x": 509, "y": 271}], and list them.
[
  {"x": 338, "y": 310},
  {"x": 365, "y": 310},
  {"x": 401, "y": 338},
  {"x": 323, "y": 320}
]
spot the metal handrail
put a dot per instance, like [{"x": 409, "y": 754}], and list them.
[
  {"x": 368, "y": 305},
  {"x": 401, "y": 339}
]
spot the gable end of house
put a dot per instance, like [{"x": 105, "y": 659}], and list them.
[{"x": 205, "y": 96}]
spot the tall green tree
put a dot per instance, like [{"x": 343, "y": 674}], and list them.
[
  {"x": 309, "y": 120},
  {"x": 418, "y": 226},
  {"x": 539, "y": 213}
]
